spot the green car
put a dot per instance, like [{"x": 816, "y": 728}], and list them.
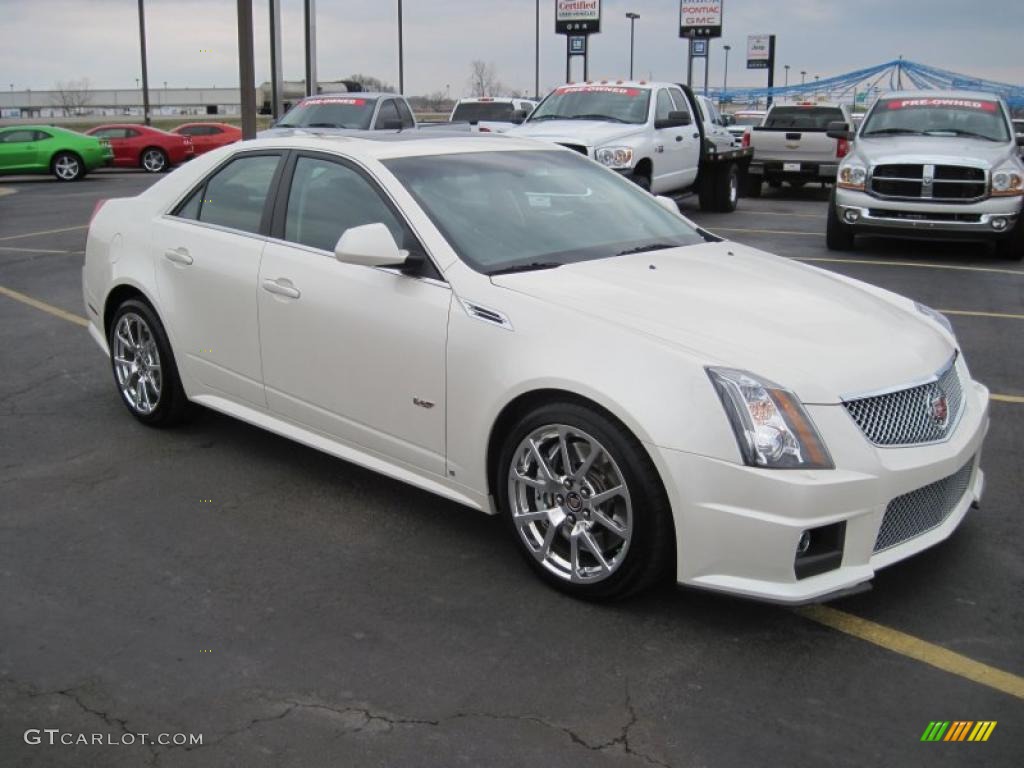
[{"x": 68, "y": 155}]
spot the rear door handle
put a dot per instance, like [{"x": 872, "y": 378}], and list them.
[
  {"x": 281, "y": 287},
  {"x": 179, "y": 256}
]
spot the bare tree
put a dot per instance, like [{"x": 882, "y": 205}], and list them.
[
  {"x": 72, "y": 96},
  {"x": 483, "y": 79},
  {"x": 371, "y": 83}
]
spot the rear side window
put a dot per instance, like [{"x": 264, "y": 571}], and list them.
[
  {"x": 234, "y": 196},
  {"x": 326, "y": 198},
  {"x": 405, "y": 114},
  {"x": 802, "y": 118},
  {"x": 388, "y": 113},
  {"x": 17, "y": 137}
]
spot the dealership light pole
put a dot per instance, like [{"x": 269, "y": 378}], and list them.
[
  {"x": 803, "y": 74},
  {"x": 536, "y": 58},
  {"x": 401, "y": 60},
  {"x": 309, "y": 34},
  {"x": 145, "y": 74},
  {"x": 725, "y": 76},
  {"x": 276, "y": 77},
  {"x": 632, "y": 38},
  {"x": 246, "y": 70},
  {"x": 786, "y": 67}
]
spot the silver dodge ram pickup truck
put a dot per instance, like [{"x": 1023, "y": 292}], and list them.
[{"x": 931, "y": 164}]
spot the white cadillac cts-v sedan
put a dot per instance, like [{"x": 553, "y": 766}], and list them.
[{"x": 514, "y": 327}]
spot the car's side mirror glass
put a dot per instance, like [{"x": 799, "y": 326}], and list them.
[
  {"x": 369, "y": 245},
  {"x": 676, "y": 119},
  {"x": 837, "y": 129},
  {"x": 519, "y": 116}
]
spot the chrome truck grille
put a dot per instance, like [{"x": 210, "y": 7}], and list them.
[
  {"x": 949, "y": 183},
  {"x": 919, "y": 511},
  {"x": 924, "y": 413}
]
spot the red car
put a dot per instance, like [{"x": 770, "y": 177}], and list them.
[
  {"x": 207, "y": 136},
  {"x": 140, "y": 146}
]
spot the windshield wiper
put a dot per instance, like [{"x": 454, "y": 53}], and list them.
[
  {"x": 645, "y": 248},
  {"x": 545, "y": 117},
  {"x": 958, "y": 132},
  {"x": 532, "y": 266},
  {"x": 323, "y": 125},
  {"x": 893, "y": 132},
  {"x": 597, "y": 117}
]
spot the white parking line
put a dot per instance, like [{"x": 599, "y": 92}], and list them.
[
  {"x": 971, "y": 313},
  {"x": 44, "y": 232},
  {"x": 29, "y": 250}
]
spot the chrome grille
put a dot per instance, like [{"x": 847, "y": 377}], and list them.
[
  {"x": 911, "y": 416},
  {"x": 905, "y": 181},
  {"x": 914, "y": 513}
]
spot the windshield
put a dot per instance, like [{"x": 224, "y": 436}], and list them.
[
  {"x": 475, "y": 111},
  {"x": 595, "y": 102},
  {"x": 536, "y": 208},
  {"x": 802, "y": 118},
  {"x": 937, "y": 117},
  {"x": 330, "y": 112}
]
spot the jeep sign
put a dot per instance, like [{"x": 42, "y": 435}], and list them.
[
  {"x": 700, "y": 19},
  {"x": 759, "y": 50},
  {"x": 577, "y": 17}
]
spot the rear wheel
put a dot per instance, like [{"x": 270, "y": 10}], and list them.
[
  {"x": 838, "y": 235},
  {"x": 67, "y": 166},
  {"x": 144, "y": 369},
  {"x": 153, "y": 160},
  {"x": 585, "y": 503},
  {"x": 1012, "y": 246}
]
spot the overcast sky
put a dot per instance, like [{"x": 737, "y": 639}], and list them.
[{"x": 194, "y": 42}]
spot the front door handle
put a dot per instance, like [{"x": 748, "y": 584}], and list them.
[
  {"x": 696, "y": 135},
  {"x": 281, "y": 287},
  {"x": 679, "y": 138},
  {"x": 178, "y": 256}
]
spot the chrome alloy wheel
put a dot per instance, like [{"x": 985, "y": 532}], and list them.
[
  {"x": 66, "y": 167},
  {"x": 153, "y": 161},
  {"x": 570, "y": 503},
  {"x": 137, "y": 363}
]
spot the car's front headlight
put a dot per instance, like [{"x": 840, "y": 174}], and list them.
[
  {"x": 1007, "y": 180},
  {"x": 935, "y": 315},
  {"x": 771, "y": 426},
  {"x": 615, "y": 157},
  {"x": 852, "y": 176}
]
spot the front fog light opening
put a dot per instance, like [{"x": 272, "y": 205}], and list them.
[
  {"x": 850, "y": 216},
  {"x": 998, "y": 223},
  {"x": 819, "y": 550}
]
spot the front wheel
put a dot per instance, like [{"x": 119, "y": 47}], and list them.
[
  {"x": 153, "y": 160},
  {"x": 144, "y": 369},
  {"x": 1012, "y": 246},
  {"x": 838, "y": 235},
  {"x": 585, "y": 503}
]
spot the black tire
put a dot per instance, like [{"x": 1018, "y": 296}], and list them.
[
  {"x": 727, "y": 188},
  {"x": 650, "y": 553},
  {"x": 67, "y": 166},
  {"x": 171, "y": 403},
  {"x": 838, "y": 235},
  {"x": 774, "y": 183},
  {"x": 752, "y": 185},
  {"x": 1012, "y": 245},
  {"x": 154, "y": 160},
  {"x": 797, "y": 183},
  {"x": 642, "y": 180}
]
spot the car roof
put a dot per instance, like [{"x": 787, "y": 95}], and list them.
[{"x": 375, "y": 146}]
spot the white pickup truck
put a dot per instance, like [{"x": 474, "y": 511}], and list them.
[
  {"x": 645, "y": 131},
  {"x": 492, "y": 114},
  {"x": 793, "y": 146},
  {"x": 932, "y": 164}
]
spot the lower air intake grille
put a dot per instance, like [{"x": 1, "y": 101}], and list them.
[{"x": 914, "y": 513}]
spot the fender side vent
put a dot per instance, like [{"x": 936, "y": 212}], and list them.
[{"x": 487, "y": 315}]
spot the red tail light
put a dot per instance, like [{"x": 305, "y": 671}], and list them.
[
  {"x": 842, "y": 147},
  {"x": 746, "y": 138},
  {"x": 484, "y": 129},
  {"x": 96, "y": 208}
]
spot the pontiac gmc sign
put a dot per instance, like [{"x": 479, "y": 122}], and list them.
[
  {"x": 700, "y": 19},
  {"x": 577, "y": 17}
]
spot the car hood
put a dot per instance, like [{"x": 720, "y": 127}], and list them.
[
  {"x": 976, "y": 153},
  {"x": 819, "y": 334},
  {"x": 591, "y": 133}
]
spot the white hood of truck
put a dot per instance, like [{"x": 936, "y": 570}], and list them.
[
  {"x": 821, "y": 335},
  {"x": 590, "y": 133},
  {"x": 976, "y": 153}
]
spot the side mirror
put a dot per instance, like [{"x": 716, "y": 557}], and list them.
[
  {"x": 837, "y": 129},
  {"x": 519, "y": 116},
  {"x": 389, "y": 124},
  {"x": 728, "y": 120},
  {"x": 674, "y": 120},
  {"x": 370, "y": 245}
]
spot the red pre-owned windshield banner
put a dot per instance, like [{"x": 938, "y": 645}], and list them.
[
  {"x": 597, "y": 89},
  {"x": 985, "y": 106},
  {"x": 335, "y": 100}
]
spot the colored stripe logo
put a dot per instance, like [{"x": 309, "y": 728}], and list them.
[{"x": 958, "y": 730}]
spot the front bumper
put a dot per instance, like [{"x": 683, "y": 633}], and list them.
[
  {"x": 737, "y": 527},
  {"x": 918, "y": 219}
]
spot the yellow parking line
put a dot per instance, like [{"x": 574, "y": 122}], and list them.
[
  {"x": 44, "y": 232},
  {"x": 927, "y": 265},
  {"x": 43, "y": 306},
  {"x": 972, "y": 313},
  {"x": 1007, "y": 398},
  {"x": 915, "y": 648}
]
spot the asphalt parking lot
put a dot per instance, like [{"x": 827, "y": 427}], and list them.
[{"x": 300, "y": 611}]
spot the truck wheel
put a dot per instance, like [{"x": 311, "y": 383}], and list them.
[
  {"x": 774, "y": 183},
  {"x": 752, "y": 186},
  {"x": 726, "y": 184},
  {"x": 1012, "y": 246},
  {"x": 641, "y": 180},
  {"x": 838, "y": 236},
  {"x": 797, "y": 183}
]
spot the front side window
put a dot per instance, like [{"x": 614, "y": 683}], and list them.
[
  {"x": 388, "y": 115},
  {"x": 327, "y": 198},
  {"x": 235, "y": 195},
  {"x": 936, "y": 116},
  {"x": 405, "y": 114},
  {"x": 664, "y": 105},
  {"x": 613, "y": 103},
  {"x": 503, "y": 210},
  {"x": 680, "y": 101}
]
